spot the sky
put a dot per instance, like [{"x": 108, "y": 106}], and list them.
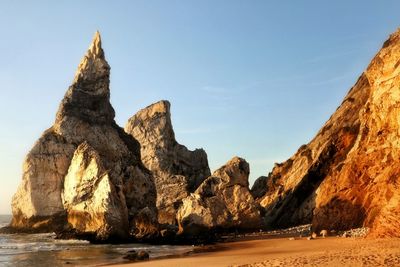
[{"x": 255, "y": 79}]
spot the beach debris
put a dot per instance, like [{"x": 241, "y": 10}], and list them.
[
  {"x": 143, "y": 255},
  {"x": 314, "y": 235},
  {"x": 304, "y": 230},
  {"x": 324, "y": 233},
  {"x": 356, "y": 232},
  {"x": 133, "y": 255}
]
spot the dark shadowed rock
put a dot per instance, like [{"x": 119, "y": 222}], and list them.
[
  {"x": 137, "y": 256},
  {"x": 259, "y": 187}
]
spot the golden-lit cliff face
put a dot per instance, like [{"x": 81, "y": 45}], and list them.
[{"x": 348, "y": 175}]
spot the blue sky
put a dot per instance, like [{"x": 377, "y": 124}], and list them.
[{"x": 255, "y": 79}]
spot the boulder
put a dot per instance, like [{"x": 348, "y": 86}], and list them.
[
  {"x": 260, "y": 187},
  {"x": 85, "y": 170},
  {"x": 177, "y": 171},
  {"x": 90, "y": 199},
  {"x": 347, "y": 176},
  {"x": 222, "y": 202}
]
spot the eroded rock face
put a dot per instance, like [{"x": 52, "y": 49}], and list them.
[
  {"x": 347, "y": 176},
  {"x": 95, "y": 157},
  {"x": 177, "y": 171},
  {"x": 222, "y": 201},
  {"x": 90, "y": 199}
]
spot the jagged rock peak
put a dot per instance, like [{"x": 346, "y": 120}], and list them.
[
  {"x": 394, "y": 37},
  {"x": 160, "y": 152},
  {"x": 177, "y": 170},
  {"x": 157, "y": 114},
  {"x": 88, "y": 98},
  {"x": 93, "y": 64}
]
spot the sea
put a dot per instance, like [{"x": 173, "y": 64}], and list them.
[{"x": 31, "y": 250}]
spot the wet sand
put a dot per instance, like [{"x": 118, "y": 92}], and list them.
[{"x": 331, "y": 251}]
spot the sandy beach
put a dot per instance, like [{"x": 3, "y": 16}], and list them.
[{"x": 332, "y": 251}]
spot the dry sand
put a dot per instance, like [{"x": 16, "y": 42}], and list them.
[{"x": 332, "y": 251}]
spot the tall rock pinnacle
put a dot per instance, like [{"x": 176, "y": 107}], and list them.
[
  {"x": 93, "y": 65},
  {"x": 85, "y": 171},
  {"x": 88, "y": 98}
]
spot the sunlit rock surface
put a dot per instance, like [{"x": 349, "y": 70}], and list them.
[
  {"x": 177, "y": 171},
  {"x": 108, "y": 180},
  {"x": 222, "y": 201},
  {"x": 348, "y": 175},
  {"x": 90, "y": 198}
]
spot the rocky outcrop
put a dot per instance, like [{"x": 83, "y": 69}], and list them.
[
  {"x": 90, "y": 198},
  {"x": 177, "y": 171},
  {"x": 222, "y": 202},
  {"x": 347, "y": 176},
  {"x": 259, "y": 187},
  {"x": 85, "y": 170}
]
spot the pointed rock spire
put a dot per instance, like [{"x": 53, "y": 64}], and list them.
[
  {"x": 93, "y": 65},
  {"x": 88, "y": 98}
]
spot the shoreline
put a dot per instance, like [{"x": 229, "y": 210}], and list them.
[{"x": 284, "y": 251}]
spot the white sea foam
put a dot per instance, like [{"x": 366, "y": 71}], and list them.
[
  {"x": 35, "y": 250},
  {"x": 71, "y": 241}
]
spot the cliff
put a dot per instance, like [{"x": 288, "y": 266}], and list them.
[{"x": 347, "y": 176}]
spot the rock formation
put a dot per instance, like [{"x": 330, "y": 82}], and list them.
[
  {"x": 177, "y": 171},
  {"x": 90, "y": 198},
  {"x": 348, "y": 175},
  {"x": 85, "y": 170},
  {"x": 222, "y": 201}
]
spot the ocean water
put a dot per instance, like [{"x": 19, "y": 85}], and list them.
[{"x": 30, "y": 250}]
